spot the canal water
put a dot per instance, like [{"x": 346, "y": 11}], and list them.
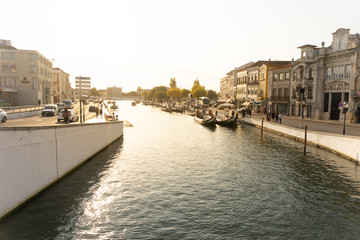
[{"x": 170, "y": 178}]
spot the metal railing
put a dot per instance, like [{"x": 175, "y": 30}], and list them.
[{"x": 19, "y": 109}]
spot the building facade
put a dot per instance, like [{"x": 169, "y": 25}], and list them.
[
  {"x": 61, "y": 85},
  {"x": 225, "y": 88},
  {"x": 279, "y": 89},
  {"x": 25, "y": 76},
  {"x": 324, "y": 79}
]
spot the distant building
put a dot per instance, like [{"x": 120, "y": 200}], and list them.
[
  {"x": 225, "y": 88},
  {"x": 114, "y": 92},
  {"x": 25, "y": 76},
  {"x": 61, "y": 85}
]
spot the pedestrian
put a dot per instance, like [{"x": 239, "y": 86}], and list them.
[
  {"x": 97, "y": 112},
  {"x": 280, "y": 118},
  {"x": 66, "y": 115},
  {"x": 39, "y": 102},
  {"x": 273, "y": 117},
  {"x": 276, "y": 118}
]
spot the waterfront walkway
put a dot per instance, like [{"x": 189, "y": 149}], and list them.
[{"x": 331, "y": 126}]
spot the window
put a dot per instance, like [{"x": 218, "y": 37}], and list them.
[
  {"x": 281, "y": 76},
  {"x": 287, "y": 76},
  {"x": 341, "y": 71},
  {"x": 311, "y": 74},
  {"x": 280, "y": 92},
  {"x": 328, "y": 73},
  {"x": 286, "y": 92},
  {"x": 4, "y": 55},
  {"x": 13, "y": 68},
  {"x": 303, "y": 54},
  {"x": 5, "y": 68},
  {"x": 347, "y": 71},
  {"x": 310, "y": 93},
  {"x": 275, "y": 92},
  {"x": 336, "y": 72},
  {"x": 32, "y": 69},
  {"x": 275, "y": 77},
  {"x": 12, "y": 56},
  {"x": 302, "y": 73}
]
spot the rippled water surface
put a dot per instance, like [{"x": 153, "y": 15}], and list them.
[{"x": 169, "y": 178}]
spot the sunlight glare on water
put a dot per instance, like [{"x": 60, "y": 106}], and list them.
[{"x": 170, "y": 178}]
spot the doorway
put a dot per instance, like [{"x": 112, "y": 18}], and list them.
[{"x": 335, "y": 100}]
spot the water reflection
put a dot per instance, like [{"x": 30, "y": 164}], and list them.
[{"x": 173, "y": 179}]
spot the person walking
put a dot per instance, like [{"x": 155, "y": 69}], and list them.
[
  {"x": 277, "y": 118},
  {"x": 280, "y": 118},
  {"x": 273, "y": 117},
  {"x": 39, "y": 102},
  {"x": 66, "y": 115}
]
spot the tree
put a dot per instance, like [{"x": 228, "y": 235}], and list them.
[
  {"x": 212, "y": 95},
  {"x": 172, "y": 83},
  {"x": 196, "y": 85},
  {"x": 185, "y": 93},
  {"x": 197, "y": 90},
  {"x": 174, "y": 92},
  {"x": 94, "y": 92}
]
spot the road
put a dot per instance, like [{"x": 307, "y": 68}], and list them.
[{"x": 45, "y": 121}]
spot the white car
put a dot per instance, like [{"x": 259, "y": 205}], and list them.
[
  {"x": 3, "y": 115},
  {"x": 74, "y": 117},
  {"x": 49, "y": 110}
]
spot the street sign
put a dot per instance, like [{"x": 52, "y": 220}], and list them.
[{"x": 341, "y": 105}]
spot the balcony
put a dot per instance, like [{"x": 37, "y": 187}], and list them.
[
  {"x": 280, "y": 98},
  {"x": 355, "y": 93}
]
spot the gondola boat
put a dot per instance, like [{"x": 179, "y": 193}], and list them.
[
  {"x": 207, "y": 120},
  {"x": 227, "y": 121}
]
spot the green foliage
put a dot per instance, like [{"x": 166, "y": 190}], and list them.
[
  {"x": 174, "y": 92},
  {"x": 94, "y": 92},
  {"x": 158, "y": 93},
  {"x": 212, "y": 95},
  {"x": 199, "y": 92},
  {"x": 172, "y": 83},
  {"x": 185, "y": 93}
]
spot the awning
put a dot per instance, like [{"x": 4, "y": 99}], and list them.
[
  {"x": 246, "y": 104},
  {"x": 258, "y": 103}
]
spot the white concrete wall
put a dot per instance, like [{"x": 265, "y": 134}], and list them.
[
  {"x": 348, "y": 146},
  {"x": 23, "y": 114},
  {"x": 32, "y": 158}
]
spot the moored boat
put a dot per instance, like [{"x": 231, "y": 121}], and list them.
[
  {"x": 207, "y": 120},
  {"x": 226, "y": 121}
]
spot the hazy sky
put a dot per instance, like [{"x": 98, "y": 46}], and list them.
[{"x": 144, "y": 43}]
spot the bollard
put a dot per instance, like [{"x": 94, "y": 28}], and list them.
[
  {"x": 262, "y": 127},
  {"x": 305, "y": 139}
]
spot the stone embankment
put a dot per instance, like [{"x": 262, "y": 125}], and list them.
[
  {"x": 347, "y": 146},
  {"x": 33, "y": 158}
]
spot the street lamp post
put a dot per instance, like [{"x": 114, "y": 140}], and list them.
[
  {"x": 345, "y": 108},
  {"x": 302, "y": 90}
]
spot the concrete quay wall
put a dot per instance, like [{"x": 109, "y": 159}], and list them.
[
  {"x": 347, "y": 146},
  {"x": 33, "y": 158}
]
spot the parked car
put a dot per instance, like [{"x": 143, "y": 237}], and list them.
[
  {"x": 61, "y": 106},
  {"x": 93, "y": 108},
  {"x": 68, "y": 103},
  {"x": 3, "y": 115},
  {"x": 74, "y": 117},
  {"x": 49, "y": 110}
]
